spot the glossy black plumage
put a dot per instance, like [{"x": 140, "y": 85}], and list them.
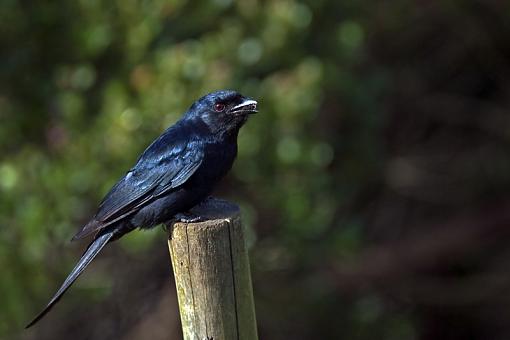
[{"x": 176, "y": 172}]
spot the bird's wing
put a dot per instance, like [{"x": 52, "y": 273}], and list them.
[{"x": 161, "y": 168}]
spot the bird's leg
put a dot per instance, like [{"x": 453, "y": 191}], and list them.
[{"x": 187, "y": 217}]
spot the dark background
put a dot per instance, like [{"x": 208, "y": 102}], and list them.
[{"x": 374, "y": 181}]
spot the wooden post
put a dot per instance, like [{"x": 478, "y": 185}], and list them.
[{"x": 212, "y": 275}]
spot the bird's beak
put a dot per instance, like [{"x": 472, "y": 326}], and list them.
[{"x": 247, "y": 106}]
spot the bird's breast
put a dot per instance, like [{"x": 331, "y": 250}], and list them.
[{"x": 218, "y": 159}]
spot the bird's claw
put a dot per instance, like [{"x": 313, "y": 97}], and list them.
[{"x": 187, "y": 218}]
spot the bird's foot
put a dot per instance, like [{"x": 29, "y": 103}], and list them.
[{"x": 187, "y": 218}]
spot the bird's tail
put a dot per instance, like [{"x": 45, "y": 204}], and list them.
[{"x": 93, "y": 249}]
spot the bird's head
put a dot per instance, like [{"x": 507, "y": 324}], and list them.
[{"x": 223, "y": 111}]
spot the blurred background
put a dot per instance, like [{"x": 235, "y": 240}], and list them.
[{"x": 374, "y": 182}]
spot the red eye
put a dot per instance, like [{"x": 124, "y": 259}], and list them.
[{"x": 219, "y": 107}]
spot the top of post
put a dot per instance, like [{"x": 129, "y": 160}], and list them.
[{"x": 213, "y": 212}]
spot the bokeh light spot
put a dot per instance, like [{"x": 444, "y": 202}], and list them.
[
  {"x": 350, "y": 34},
  {"x": 250, "y": 51},
  {"x": 289, "y": 149},
  {"x": 8, "y": 176}
]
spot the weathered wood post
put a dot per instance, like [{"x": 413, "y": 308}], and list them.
[{"x": 212, "y": 275}]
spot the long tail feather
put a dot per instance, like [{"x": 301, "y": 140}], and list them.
[{"x": 91, "y": 252}]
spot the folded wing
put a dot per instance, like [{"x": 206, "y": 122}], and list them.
[{"x": 155, "y": 174}]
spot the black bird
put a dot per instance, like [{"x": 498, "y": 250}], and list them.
[{"x": 175, "y": 173}]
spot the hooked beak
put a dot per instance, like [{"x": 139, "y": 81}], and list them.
[{"x": 247, "y": 106}]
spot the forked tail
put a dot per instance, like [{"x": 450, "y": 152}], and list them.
[{"x": 91, "y": 252}]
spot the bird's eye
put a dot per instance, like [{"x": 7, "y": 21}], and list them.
[{"x": 219, "y": 107}]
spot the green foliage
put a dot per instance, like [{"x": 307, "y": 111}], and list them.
[{"x": 86, "y": 85}]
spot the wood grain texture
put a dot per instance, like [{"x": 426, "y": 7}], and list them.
[{"x": 212, "y": 275}]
